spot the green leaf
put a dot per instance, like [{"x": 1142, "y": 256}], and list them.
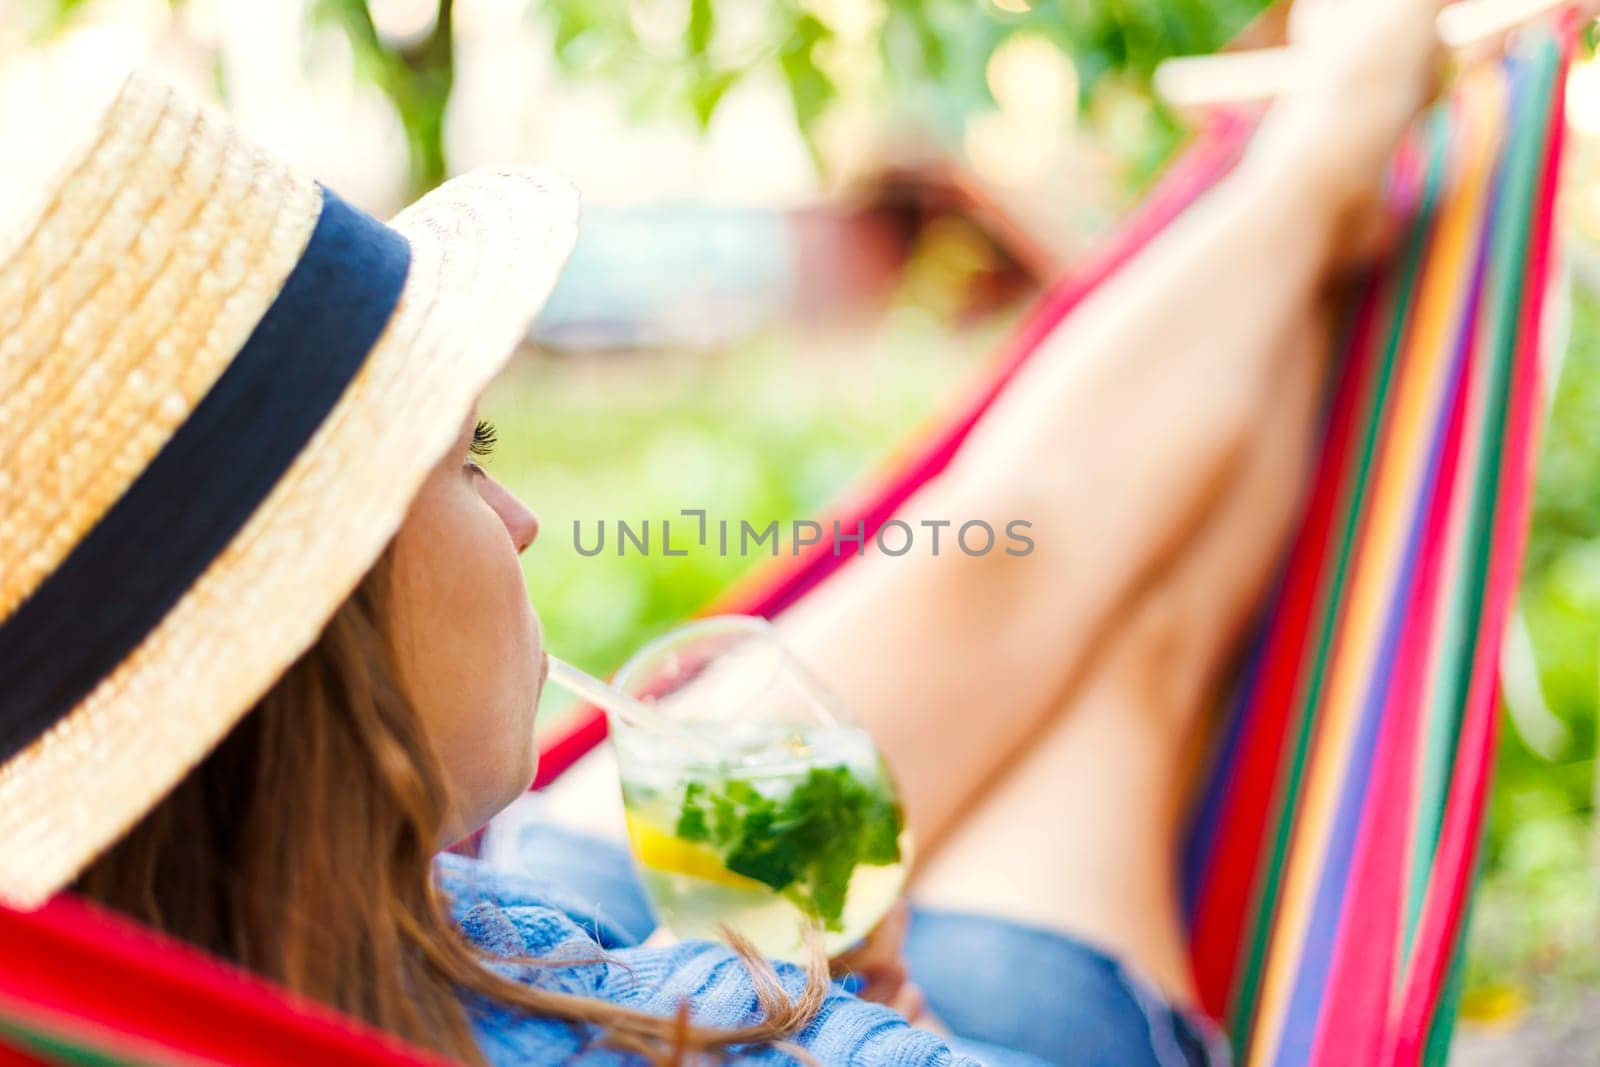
[
  {"x": 692, "y": 824},
  {"x": 707, "y": 92},
  {"x": 810, "y": 90},
  {"x": 702, "y": 21},
  {"x": 806, "y": 844}
]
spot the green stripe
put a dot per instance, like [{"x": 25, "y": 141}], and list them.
[
  {"x": 1442, "y": 1025},
  {"x": 1508, "y": 264},
  {"x": 1331, "y": 598},
  {"x": 56, "y": 1049}
]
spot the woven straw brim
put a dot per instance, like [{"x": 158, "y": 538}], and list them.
[{"x": 486, "y": 250}]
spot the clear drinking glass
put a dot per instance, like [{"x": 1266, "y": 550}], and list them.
[{"x": 754, "y": 800}]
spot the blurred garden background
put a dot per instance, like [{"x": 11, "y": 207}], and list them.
[{"x": 806, "y": 223}]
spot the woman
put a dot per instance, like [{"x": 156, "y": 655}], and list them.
[{"x": 266, "y": 648}]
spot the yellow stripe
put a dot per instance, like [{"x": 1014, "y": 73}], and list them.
[{"x": 1422, "y": 364}]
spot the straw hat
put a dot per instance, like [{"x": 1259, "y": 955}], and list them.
[{"x": 220, "y": 388}]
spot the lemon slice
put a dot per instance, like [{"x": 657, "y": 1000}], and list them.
[{"x": 661, "y": 851}]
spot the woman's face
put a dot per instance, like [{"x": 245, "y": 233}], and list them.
[{"x": 468, "y": 643}]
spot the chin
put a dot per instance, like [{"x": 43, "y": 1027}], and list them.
[
  {"x": 512, "y": 785},
  {"x": 526, "y": 773},
  {"x": 519, "y": 777},
  {"x": 538, "y": 695}
]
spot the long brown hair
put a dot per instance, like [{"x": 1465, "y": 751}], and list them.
[{"x": 302, "y": 849}]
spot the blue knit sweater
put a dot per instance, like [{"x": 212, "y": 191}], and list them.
[{"x": 515, "y": 915}]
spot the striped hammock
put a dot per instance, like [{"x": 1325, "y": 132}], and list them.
[
  {"x": 1332, "y": 855},
  {"x": 1334, "y": 848}
]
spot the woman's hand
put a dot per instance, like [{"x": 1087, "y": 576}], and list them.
[
  {"x": 880, "y": 964},
  {"x": 1370, "y": 67}
]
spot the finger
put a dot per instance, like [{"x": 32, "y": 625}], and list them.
[
  {"x": 1307, "y": 18},
  {"x": 881, "y": 946},
  {"x": 910, "y": 1002},
  {"x": 884, "y": 985}
]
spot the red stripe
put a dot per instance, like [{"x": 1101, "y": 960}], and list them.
[
  {"x": 569, "y": 745},
  {"x": 1451, "y": 877},
  {"x": 49, "y": 1031},
  {"x": 111, "y": 976}
]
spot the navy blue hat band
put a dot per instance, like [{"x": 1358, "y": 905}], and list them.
[{"x": 180, "y": 513}]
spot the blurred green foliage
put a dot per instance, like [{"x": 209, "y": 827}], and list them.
[
  {"x": 683, "y": 56},
  {"x": 928, "y": 55},
  {"x": 417, "y": 76},
  {"x": 774, "y": 429}
]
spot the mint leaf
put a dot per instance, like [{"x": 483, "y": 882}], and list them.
[
  {"x": 880, "y": 835},
  {"x": 805, "y": 845},
  {"x": 692, "y": 818}
]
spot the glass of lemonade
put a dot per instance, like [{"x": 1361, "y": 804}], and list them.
[{"x": 758, "y": 803}]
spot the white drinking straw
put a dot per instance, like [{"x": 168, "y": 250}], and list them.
[
  {"x": 630, "y": 712},
  {"x": 614, "y": 701}
]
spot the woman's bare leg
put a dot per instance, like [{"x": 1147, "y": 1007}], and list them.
[
  {"x": 1112, "y": 441},
  {"x": 1081, "y": 833}
]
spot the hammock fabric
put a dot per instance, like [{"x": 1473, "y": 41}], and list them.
[
  {"x": 1330, "y": 861},
  {"x": 1332, "y": 854}
]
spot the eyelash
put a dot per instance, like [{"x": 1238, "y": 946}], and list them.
[{"x": 484, "y": 438}]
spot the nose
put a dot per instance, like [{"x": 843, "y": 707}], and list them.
[
  {"x": 520, "y": 521},
  {"x": 524, "y": 528}
]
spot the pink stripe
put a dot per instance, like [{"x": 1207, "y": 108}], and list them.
[
  {"x": 1455, "y": 862},
  {"x": 569, "y": 745}
]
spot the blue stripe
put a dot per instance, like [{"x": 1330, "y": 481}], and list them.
[{"x": 1200, "y": 841}]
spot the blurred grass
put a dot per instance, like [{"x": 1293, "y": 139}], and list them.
[
  {"x": 772, "y": 430},
  {"x": 777, "y": 427}
]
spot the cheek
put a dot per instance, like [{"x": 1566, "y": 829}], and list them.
[{"x": 469, "y": 645}]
